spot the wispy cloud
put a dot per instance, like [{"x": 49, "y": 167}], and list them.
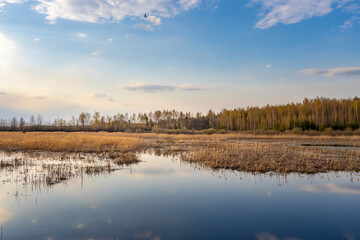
[
  {"x": 273, "y": 12},
  {"x": 344, "y": 71},
  {"x": 96, "y": 53},
  {"x": 42, "y": 93},
  {"x": 3, "y": 93},
  {"x": 101, "y": 96},
  {"x": 290, "y": 11},
  {"x": 268, "y": 66},
  {"x": 82, "y": 35},
  {"x": 191, "y": 88},
  {"x": 143, "y": 26},
  {"x": 332, "y": 188},
  {"x": 36, "y": 39},
  {"x": 188, "y": 4},
  {"x": 151, "y": 88},
  {"x": 129, "y": 35},
  {"x": 354, "y": 9}
]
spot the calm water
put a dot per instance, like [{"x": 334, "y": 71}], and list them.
[{"x": 163, "y": 198}]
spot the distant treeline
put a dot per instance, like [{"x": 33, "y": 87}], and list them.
[{"x": 312, "y": 114}]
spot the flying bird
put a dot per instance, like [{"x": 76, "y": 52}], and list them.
[{"x": 145, "y": 15}]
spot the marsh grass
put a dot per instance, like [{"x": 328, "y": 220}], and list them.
[{"x": 284, "y": 153}]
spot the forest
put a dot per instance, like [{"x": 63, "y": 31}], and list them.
[{"x": 319, "y": 114}]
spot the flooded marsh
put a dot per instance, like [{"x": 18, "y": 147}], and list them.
[
  {"x": 163, "y": 197},
  {"x": 179, "y": 187}
]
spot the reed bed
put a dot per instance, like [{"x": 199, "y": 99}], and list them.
[{"x": 265, "y": 157}]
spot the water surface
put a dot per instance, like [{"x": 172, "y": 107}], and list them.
[{"x": 164, "y": 198}]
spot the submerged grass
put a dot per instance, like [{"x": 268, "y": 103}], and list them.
[
  {"x": 243, "y": 152},
  {"x": 41, "y": 169}
]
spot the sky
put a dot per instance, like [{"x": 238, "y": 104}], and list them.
[{"x": 62, "y": 57}]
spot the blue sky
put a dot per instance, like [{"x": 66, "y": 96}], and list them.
[{"x": 61, "y": 57}]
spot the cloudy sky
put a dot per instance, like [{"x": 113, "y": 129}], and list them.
[{"x": 61, "y": 57}]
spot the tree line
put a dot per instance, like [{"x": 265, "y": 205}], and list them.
[{"x": 311, "y": 114}]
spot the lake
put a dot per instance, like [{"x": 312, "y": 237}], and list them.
[{"x": 165, "y": 198}]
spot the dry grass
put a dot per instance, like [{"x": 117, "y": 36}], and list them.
[
  {"x": 243, "y": 152},
  {"x": 266, "y": 157},
  {"x": 70, "y": 142}
]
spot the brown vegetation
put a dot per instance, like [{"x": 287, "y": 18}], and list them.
[{"x": 242, "y": 152}]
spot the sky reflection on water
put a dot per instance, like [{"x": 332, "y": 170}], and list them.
[{"x": 162, "y": 198}]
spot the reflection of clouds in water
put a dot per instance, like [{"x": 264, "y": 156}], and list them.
[
  {"x": 349, "y": 236},
  {"x": 80, "y": 226},
  {"x": 146, "y": 235},
  {"x": 3, "y": 195},
  {"x": 94, "y": 207},
  {"x": 143, "y": 235},
  {"x": 332, "y": 188},
  {"x": 268, "y": 236},
  {"x": 156, "y": 238},
  {"x": 4, "y": 215},
  {"x": 153, "y": 172}
]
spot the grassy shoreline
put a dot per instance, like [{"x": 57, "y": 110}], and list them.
[{"x": 283, "y": 153}]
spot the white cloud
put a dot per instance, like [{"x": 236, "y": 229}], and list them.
[
  {"x": 282, "y": 80},
  {"x": 290, "y": 11},
  {"x": 4, "y": 2},
  {"x": 82, "y": 35},
  {"x": 344, "y": 71},
  {"x": 110, "y": 40},
  {"x": 36, "y": 39},
  {"x": 146, "y": 27},
  {"x": 268, "y": 66},
  {"x": 154, "y": 20},
  {"x": 110, "y": 10}
]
